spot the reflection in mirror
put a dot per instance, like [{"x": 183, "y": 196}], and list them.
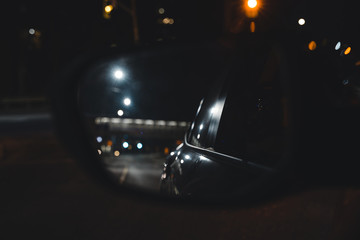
[
  {"x": 137, "y": 107},
  {"x": 133, "y": 150}
]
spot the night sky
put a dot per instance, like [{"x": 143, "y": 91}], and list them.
[{"x": 65, "y": 29}]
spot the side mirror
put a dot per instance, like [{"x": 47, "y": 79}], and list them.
[
  {"x": 125, "y": 115},
  {"x": 122, "y": 112}
]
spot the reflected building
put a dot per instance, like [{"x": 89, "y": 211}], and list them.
[{"x": 132, "y": 136}]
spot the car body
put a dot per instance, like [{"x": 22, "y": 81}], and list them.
[{"x": 283, "y": 107}]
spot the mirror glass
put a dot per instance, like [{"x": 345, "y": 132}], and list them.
[{"x": 137, "y": 106}]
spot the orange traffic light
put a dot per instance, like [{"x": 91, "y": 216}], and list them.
[
  {"x": 252, "y": 3},
  {"x": 251, "y": 8}
]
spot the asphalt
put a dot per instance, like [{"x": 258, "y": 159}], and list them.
[
  {"x": 141, "y": 171},
  {"x": 44, "y": 194}
]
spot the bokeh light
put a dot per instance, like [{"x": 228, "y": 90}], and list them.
[
  {"x": 312, "y": 45},
  {"x": 301, "y": 21}
]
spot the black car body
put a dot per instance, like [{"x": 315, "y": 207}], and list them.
[{"x": 286, "y": 104}]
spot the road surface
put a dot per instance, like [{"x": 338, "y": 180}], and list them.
[{"x": 137, "y": 170}]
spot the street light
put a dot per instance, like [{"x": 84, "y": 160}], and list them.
[
  {"x": 120, "y": 113},
  {"x": 119, "y": 74},
  {"x": 31, "y": 31},
  {"x": 301, "y": 21},
  {"x": 127, "y": 101},
  {"x": 125, "y": 144},
  {"x": 108, "y": 8},
  {"x": 161, "y": 11}
]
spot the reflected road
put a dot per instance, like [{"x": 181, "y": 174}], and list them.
[{"x": 137, "y": 170}]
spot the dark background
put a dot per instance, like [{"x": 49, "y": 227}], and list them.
[
  {"x": 65, "y": 29},
  {"x": 45, "y": 195}
]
